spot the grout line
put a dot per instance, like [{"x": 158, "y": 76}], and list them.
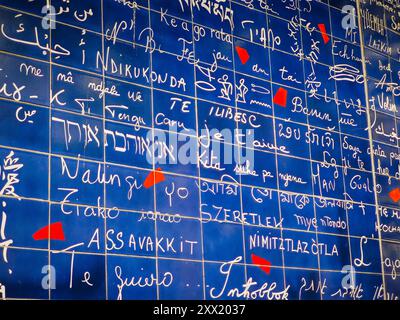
[
  {"x": 371, "y": 143},
  {"x": 104, "y": 157},
  {"x": 153, "y": 150}
]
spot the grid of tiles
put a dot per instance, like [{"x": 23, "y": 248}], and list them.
[{"x": 89, "y": 90}]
